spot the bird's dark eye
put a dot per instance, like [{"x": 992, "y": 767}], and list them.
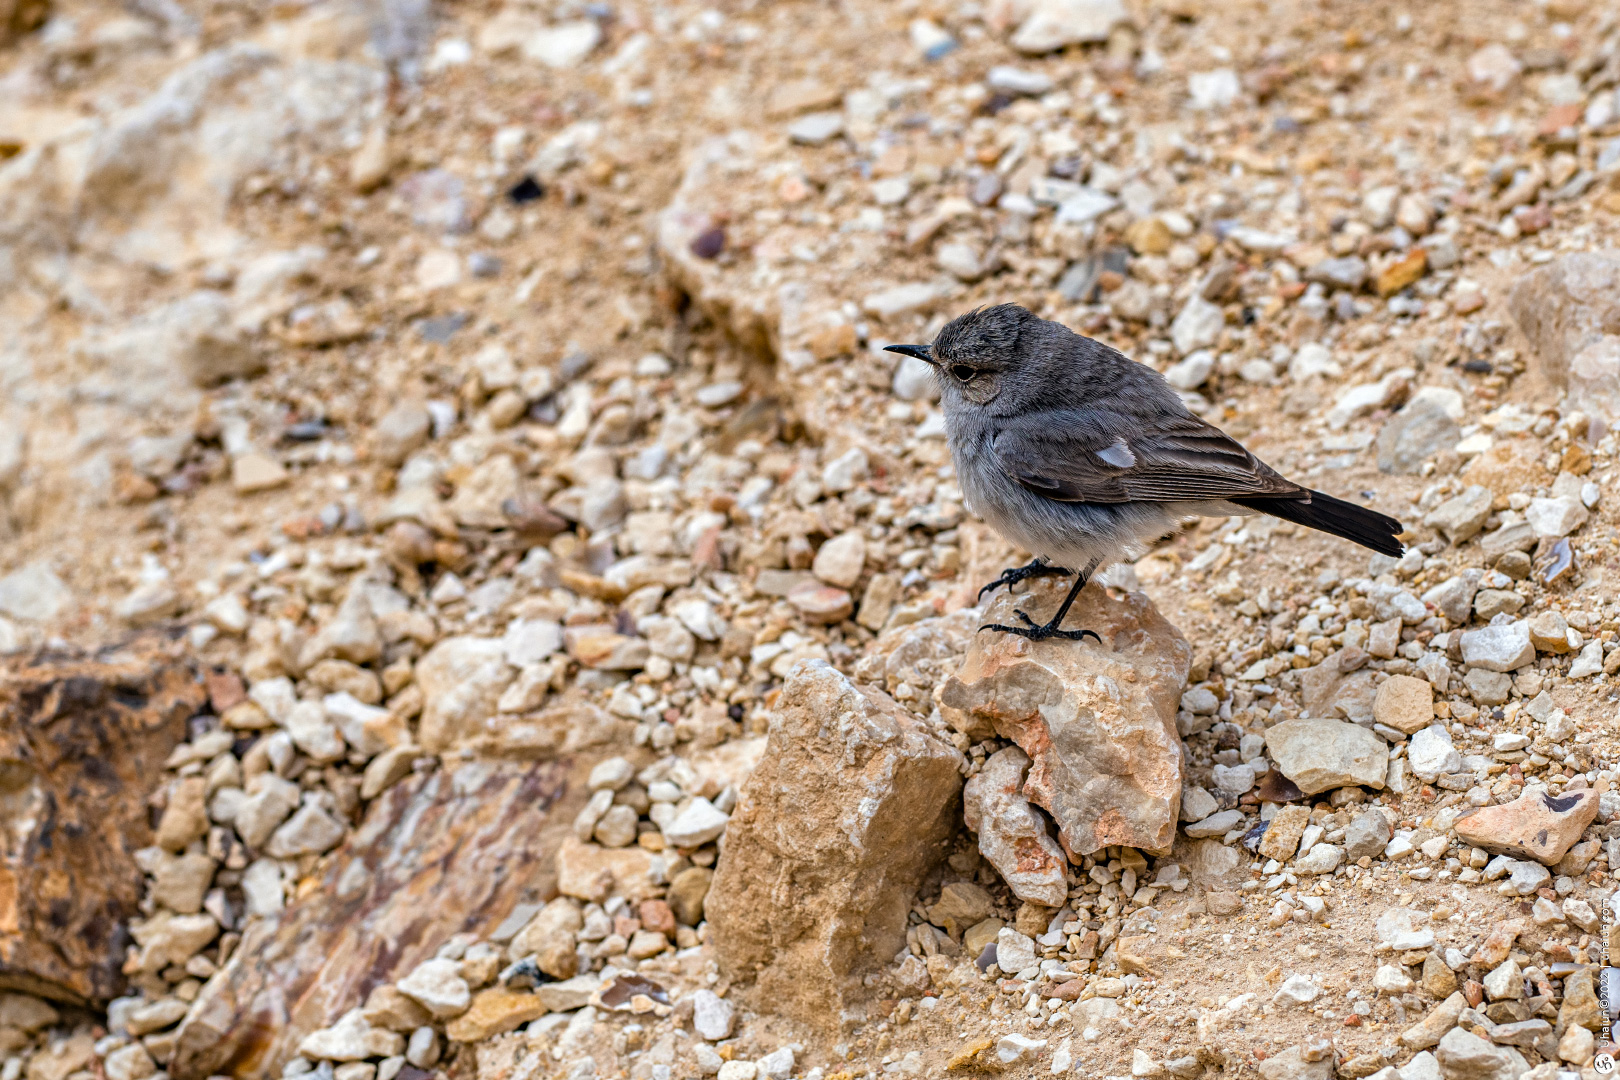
[{"x": 962, "y": 373}]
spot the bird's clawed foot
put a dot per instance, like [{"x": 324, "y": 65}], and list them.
[
  {"x": 1036, "y": 632},
  {"x": 1014, "y": 574}
]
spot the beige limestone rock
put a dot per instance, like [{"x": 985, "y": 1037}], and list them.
[
  {"x": 1537, "y": 825},
  {"x": 592, "y": 872},
  {"x": 850, "y": 807},
  {"x": 1011, "y": 835},
  {"x": 550, "y": 937},
  {"x": 687, "y": 893},
  {"x": 493, "y": 1011},
  {"x": 1097, "y": 720},
  {"x": 1441, "y": 1019},
  {"x": 479, "y": 498},
  {"x": 461, "y": 680},
  {"x": 254, "y": 471},
  {"x": 1318, "y": 754},
  {"x": 1405, "y": 703},
  {"x": 1281, "y": 838}
]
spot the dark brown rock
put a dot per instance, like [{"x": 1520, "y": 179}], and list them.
[
  {"x": 18, "y": 17},
  {"x": 82, "y": 738},
  {"x": 436, "y": 855}
]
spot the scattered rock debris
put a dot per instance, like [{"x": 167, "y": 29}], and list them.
[{"x": 557, "y": 614}]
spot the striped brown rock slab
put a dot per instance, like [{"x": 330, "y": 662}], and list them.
[{"x": 439, "y": 854}]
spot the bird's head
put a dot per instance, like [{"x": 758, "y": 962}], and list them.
[{"x": 976, "y": 357}]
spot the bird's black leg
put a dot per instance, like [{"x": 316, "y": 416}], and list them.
[
  {"x": 1037, "y": 567},
  {"x": 1035, "y": 632}
]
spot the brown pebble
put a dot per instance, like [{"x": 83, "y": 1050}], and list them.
[{"x": 656, "y": 915}]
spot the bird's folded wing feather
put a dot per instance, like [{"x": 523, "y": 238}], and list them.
[{"x": 1097, "y": 456}]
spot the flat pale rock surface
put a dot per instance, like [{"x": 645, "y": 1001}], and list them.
[
  {"x": 1097, "y": 720},
  {"x": 1319, "y": 754},
  {"x": 1405, "y": 703}
]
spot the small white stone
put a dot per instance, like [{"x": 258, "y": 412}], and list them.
[
  {"x": 1399, "y": 929},
  {"x": 1504, "y": 982},
  {"x": 841, "y": 559},
  {"x": 1197, "y": 326},
  {"x": 1213, "y": 89},
  {"x": 901, "y": 299},
  {"x": 613, "y": 773},
  {"x": 1432, "y": 754},
  {"x": 1552, "y": 518},
  {"x": 813, "y": 129},
  {"x": 696, "y": 825},
  {"x": 962, "y": 262},
  {"x": 564, "y": 45},
  {"x": 1018, "y": 81},
  {"x": 712, "y": 1016},
  {"x": 617, "y": 827},
  {"x": 529, "y": 641},
  {"x": 845, "y": 471},
  {"x": 778, "y": 1064},
  {"x": 423, "y": 1048},
  {"x": 261, "y": 886},
  {"x": 1391, "y": 980},
  {"x": 1505, "y": 647},
  {"x": 1297, "y": 990},
  {"x": 1216, "y": 824},
  {"x": 1014, "y": 951},
  {"x": 1191, "y": 372},
  {"x": 131, "y": 1062},
  {"x": 310, "y": 831},
  {"x": 1011, "y": 1049},
  {"x": 1589, "y": 662},
  {"x": 1233, "y": 780},
  {"x": 1321, "y": 859},
  {"x": 438, "y": 986}
]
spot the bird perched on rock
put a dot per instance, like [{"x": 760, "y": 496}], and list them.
[{"x": 1081, "y": 456}]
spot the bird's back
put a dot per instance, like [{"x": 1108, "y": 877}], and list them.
[{"x": 1059, "y": 369}]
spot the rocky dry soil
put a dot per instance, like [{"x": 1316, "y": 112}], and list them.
[{"x": 478, "y": 601}]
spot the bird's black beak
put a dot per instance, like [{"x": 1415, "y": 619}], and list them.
[{"x": 919, "y": 351}]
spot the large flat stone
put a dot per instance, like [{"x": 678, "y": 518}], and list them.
[
  {"x": 1319, "y": 754},
  {"x": 81, "y": 738},
  {"x": 1097, "y": 720},
  {"x": 1566, "y": 306},
  {"x": 436, "y": 855},
  {"x": 1537, "y": 825}
]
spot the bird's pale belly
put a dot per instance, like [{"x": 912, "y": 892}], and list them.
[{"x": 1070, "y": 534}]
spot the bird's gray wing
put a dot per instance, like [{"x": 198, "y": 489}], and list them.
[{"x": 1100, "y": 456}]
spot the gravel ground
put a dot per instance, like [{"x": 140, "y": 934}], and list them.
[{"x": 470, "y": 383}]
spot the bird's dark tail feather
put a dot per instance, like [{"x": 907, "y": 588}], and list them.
[{"x": 1366, "y": 527}]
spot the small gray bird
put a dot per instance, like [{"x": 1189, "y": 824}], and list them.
[{"x": 1082, "y": 456}]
